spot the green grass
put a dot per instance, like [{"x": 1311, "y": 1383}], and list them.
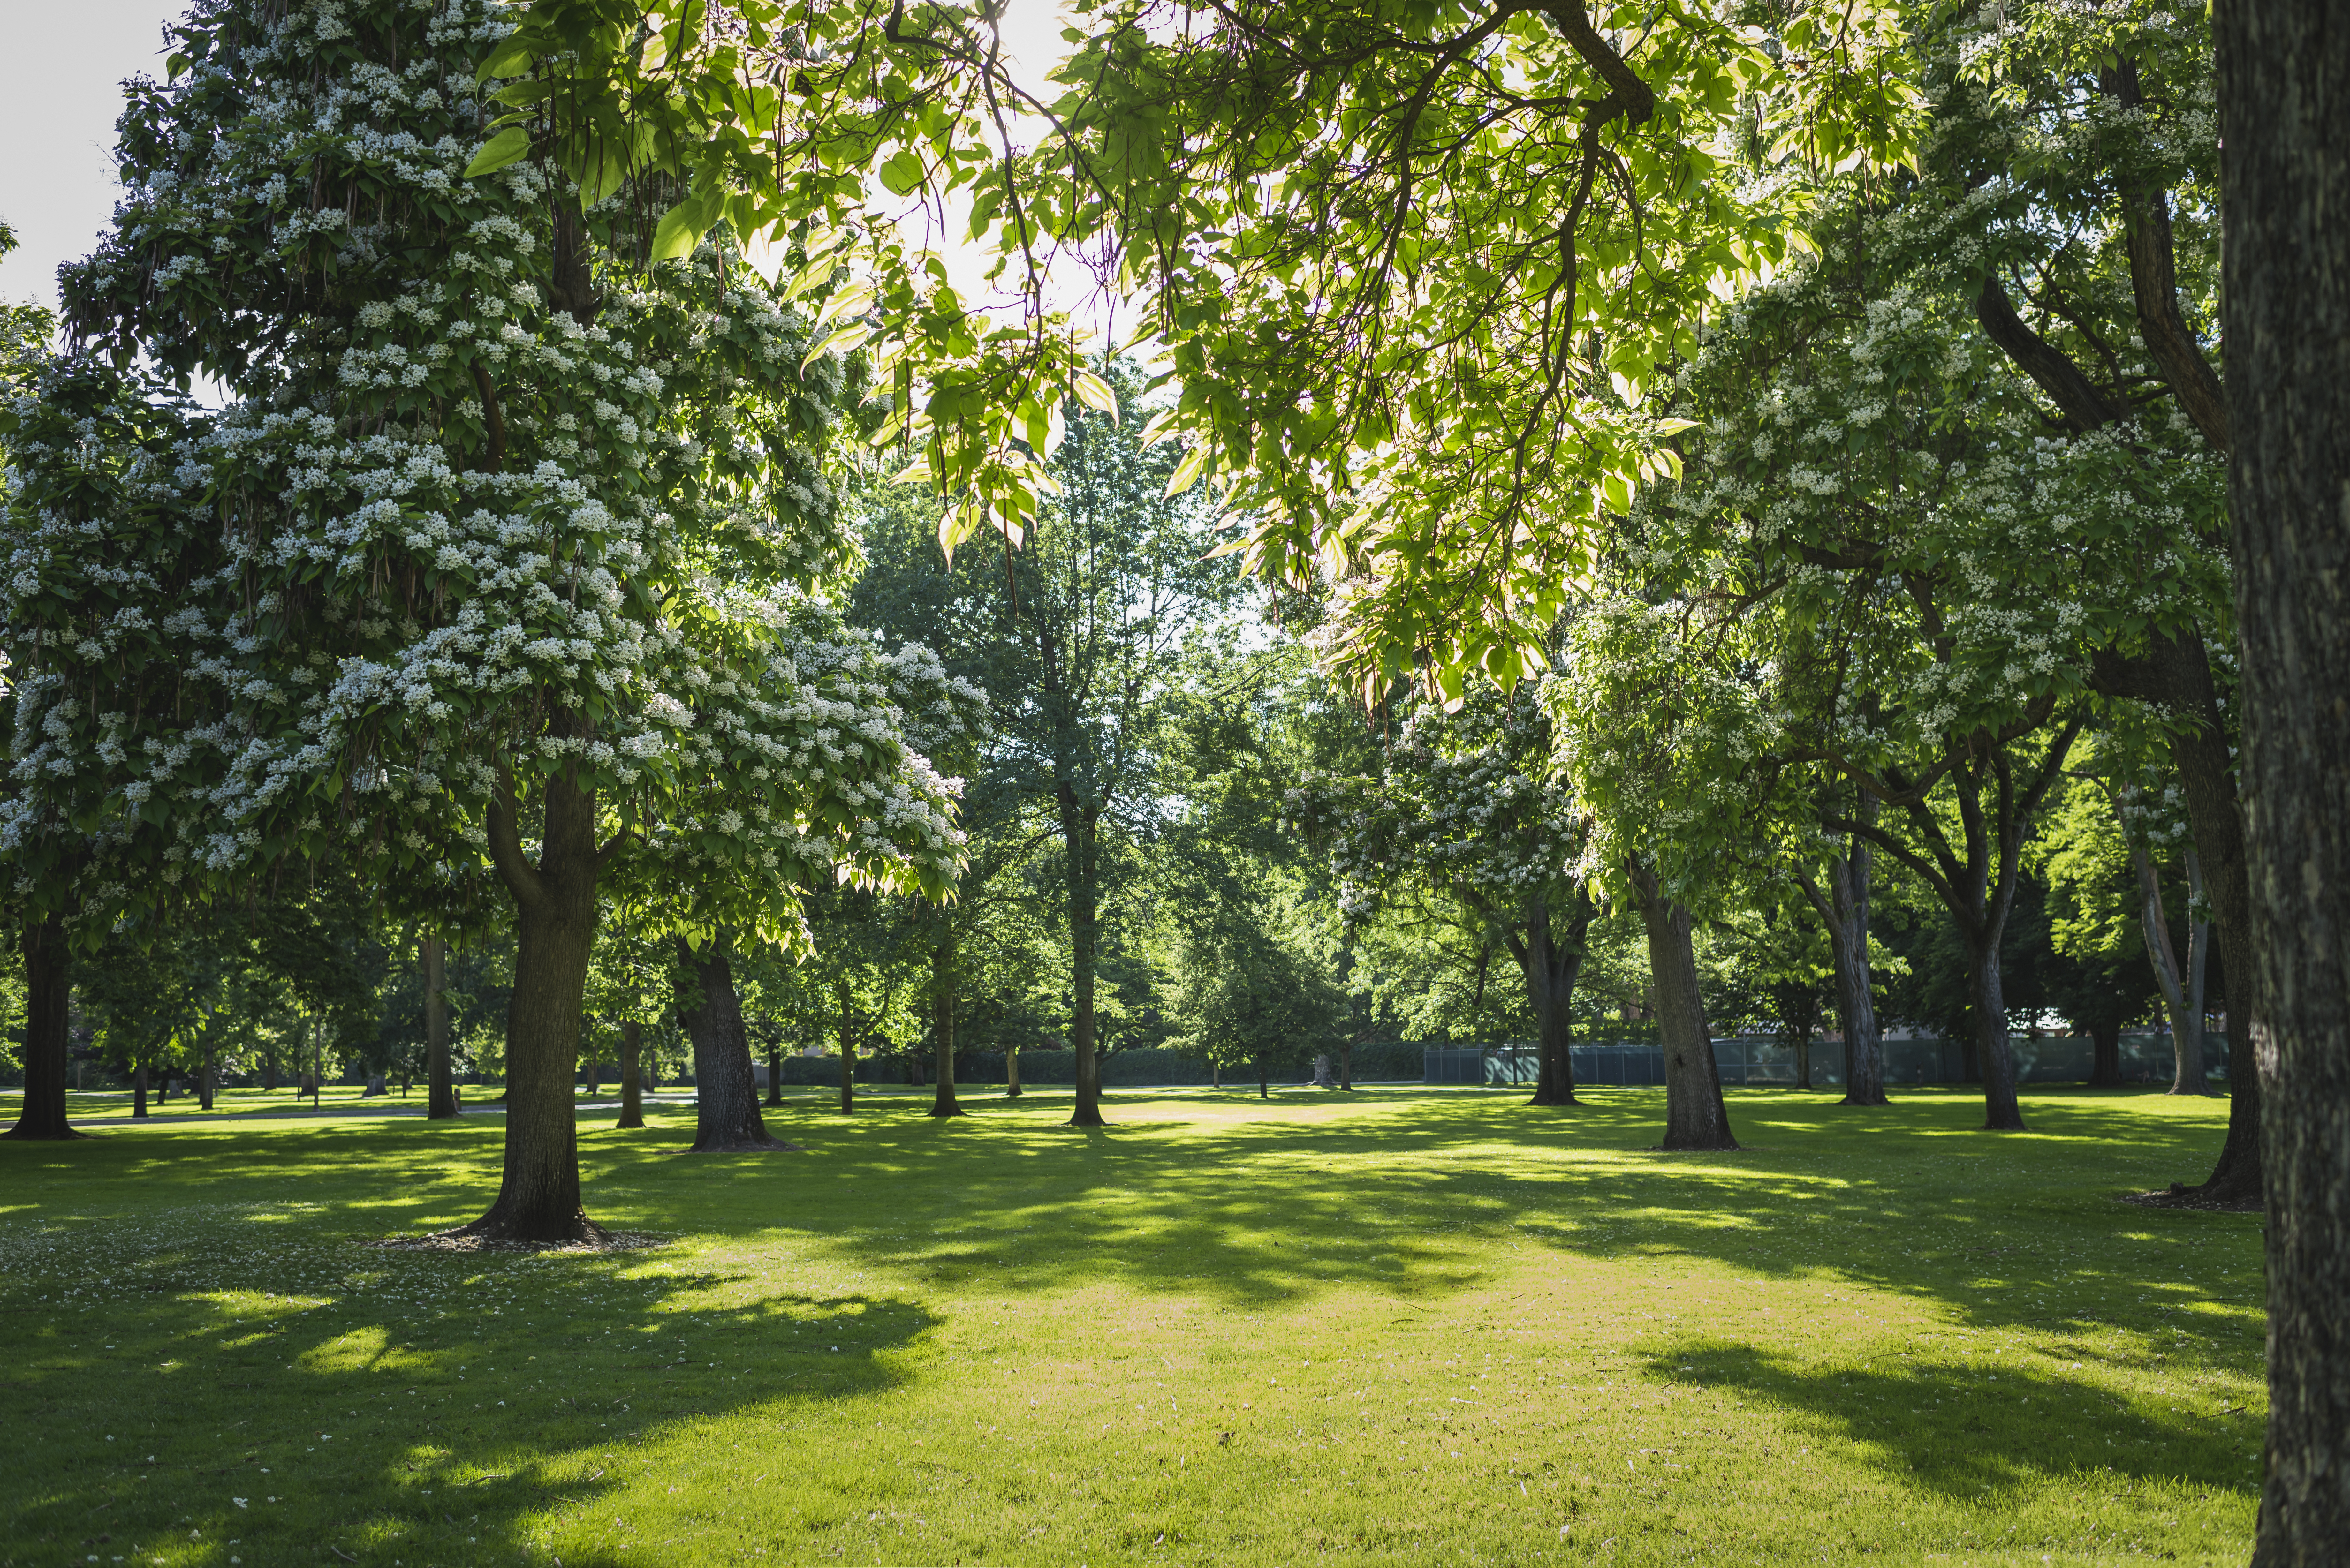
[{"x": 1411, "y": 1327}]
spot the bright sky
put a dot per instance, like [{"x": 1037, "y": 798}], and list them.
[{"x": 60, "y": 89}]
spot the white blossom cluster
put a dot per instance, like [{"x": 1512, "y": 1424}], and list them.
[{"x": 462, "y": 524}]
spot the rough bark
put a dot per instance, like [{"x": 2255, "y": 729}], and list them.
[
  {"x": 2169, "y": 976},
  {"x": 1012, "y": 1073},
  {"x": 1551, "y": 960},
  {"x": 1987, "y": 1001},
  {"x": 1695, "y": 1115},
  {"x": 2285, "y": 123},
  {"x": 1863, "y": 1047},
  {"x": 48, "y": 992},
  {"x": 943, "y": 1023},
  {"x": 632, "y": 1080},
  {"x": 138, "y": 1090},
  {"x": 726, "y": 1092},
  {"x": 555, "y": 932}
]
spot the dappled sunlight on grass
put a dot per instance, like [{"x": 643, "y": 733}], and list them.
[{"x": 1386, "y": 1326}]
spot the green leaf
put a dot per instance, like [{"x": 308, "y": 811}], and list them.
[
  {"x": 508, "y": 146},
  {"x": 679, "y": 230},
  {"x": 902, "y": 173},
  {"x": 1187, "y": 473},
  {"x": 506, "y": 60},
  {"x": 843, "y": 337},
  {"x": 1094, "y": 392}
]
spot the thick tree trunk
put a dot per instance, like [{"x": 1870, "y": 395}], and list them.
[
  {"x": 725, "y": 1087},
  {"x": 2106, "y": 1056},
  {"x": 1085, "y": 894},
  {"x": 138, "y": 1090},
  {"x": 162, "y": 1086},
  {"x": 554, "y": 934},
  {"x": 1012, "y": 1073},
  {"x": 847, "y": 1052},
  {"x": 1551, "y": 960},
  {"x": 207, "y": 1083},
  {"x": 49, "y": 990},
  {"x": 726, "y": 1092},
  {"x": 943, "y": 1023},
  {"x": 440, "y": 1078},
  {"x": 2285, "y": 123},
  {"x": 633, "y": 1074},
  {"x": 1695, "y": 1115}
]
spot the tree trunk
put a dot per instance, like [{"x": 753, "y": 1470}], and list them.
[
  {"x": 1215, "y": 1074},
  {"x": 162, "y": 1086},
  {"x": 207, "y": 1082},
  {"x": 633, "y": 1074},
  {"x": 554, "y": 934},
  {"x": 847, "y": 1052},
  {"x": 1083, "y": 846},
  {"x": 2284, "y": 165},
  {"x": 943, "y": 1023},
  {"x": 1011, "y": 1071},
  {"x": 775, "y": 1064},
  {"x": 138, "y": 1090},
  {"x": 269, "y": 1070},
  {"x": 440, "y": 1080},
  {"x": 1263, "y": 1079},
  {"x": 1843, "y": 908},
  {"x": 726, "y": 1092},
  {"x": 1803, "y": 1060},
  {"x": 1551, "y": 966},
  {"x": 2154, "y": 929},
  {"x": 2106, "y": 1056},
  {"x": 49, "y": 990},
  {"x": 1986, "y": 997},
  {"x": 1695, "y": 1115},
  {"x": 2198, "y": 962},
  {"x": 318, "y": 1062}
]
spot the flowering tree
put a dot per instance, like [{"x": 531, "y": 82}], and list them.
[
  {"x": 1467, "y": 806},
  {"x": 504, "y": 550}
]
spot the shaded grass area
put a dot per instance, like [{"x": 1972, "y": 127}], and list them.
[{"x": 1402, "y": 1325}]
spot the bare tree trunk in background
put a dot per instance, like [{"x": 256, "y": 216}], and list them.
[
  {"x": 1803, "y": 1060},
  {"x": 2284, "y": 183},
  {"x": 726, "y": 1093},
  {"x": 162, "y": 1086},
  {"x": 1012, "y": 1073},
  {"x": 943, "y": 1023},
  {"x": 208, "y": 1078},
  {"x": 847, "y": 1051},
  {"x": 48, "y": 992},
  {"x": 633, "y": 1074},
  {"x": 440, "y": 1076},
  {"x": 2198, "y": 959},
  {"x": 1263, "y": 1079},
  {"x": 2106, "y": 1056},
  {"x": 1987, "y": 994},
  {"x": 774, "y": 1066},
  {"x": 1085, "y": 898},
  {"x": 1551, "y": 958},
  {"x": 138, "y": 1088},
  {"x": 1843, "y": 908},
  {"x": 2153, "y": 929},
  {"x": 1695, "y": 1115}
]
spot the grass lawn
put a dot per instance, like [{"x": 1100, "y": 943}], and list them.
[{"x": 1412, "y": 1326}]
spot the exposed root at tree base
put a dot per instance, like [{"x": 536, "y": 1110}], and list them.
[
  {"x": 747, "y": 1146},
  {"x": 2181, "y": 1195},
  {"x": 599, "y": 1241}
]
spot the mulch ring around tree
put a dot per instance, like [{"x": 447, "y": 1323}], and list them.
[
  {"x": 600, "y": 1241},
  {"x": 2178, "y": 1195}
]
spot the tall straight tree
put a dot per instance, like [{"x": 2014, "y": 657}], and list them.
[{"x": 2284, "y": 130}]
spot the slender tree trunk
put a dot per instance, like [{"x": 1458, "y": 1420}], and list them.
[
  {"x": 440, "y": 1080},
  {"x": 139, "y": 1089},
  {"x": 162, "y": 1086},
  {"x": 726, "y": 1092},
  {"x": 207, "y": 1081},
  {"x": 2105, "y": 1055},
  {"x": 1011, "y": 1071},
  {"x": 1843, "y": 906},
  {"x": 847, "y": 1052},
  {"x": 775, "y": 1064},
  {"x": 1551, "y": 960},
  {"x": 269, "y": 1070},
  {"x": 48, "y": 992},
  {"x": 2284, "y": 167},
  {"x": 1987, "y": 996},
  {"x": 555, "y": 932},
  {"x": 2154, "y": 929},
  {"x": 1215, "y": 1074},
  {"x": 317, "y": 1061},
  {"x": 2199, "y": 961},
  {"x": 1263, "y": 1079},
  {"x": 942, "y": 1022},
  {"x": 1695, "y": 1115},
  {"x": 632, "y": 1079},
  {"x": 1085, "y": 893}
]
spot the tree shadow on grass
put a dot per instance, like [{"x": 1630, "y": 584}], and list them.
[
  {"x": 253, "y": 1378},
  {"x": 1968, "y": 1426}
]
